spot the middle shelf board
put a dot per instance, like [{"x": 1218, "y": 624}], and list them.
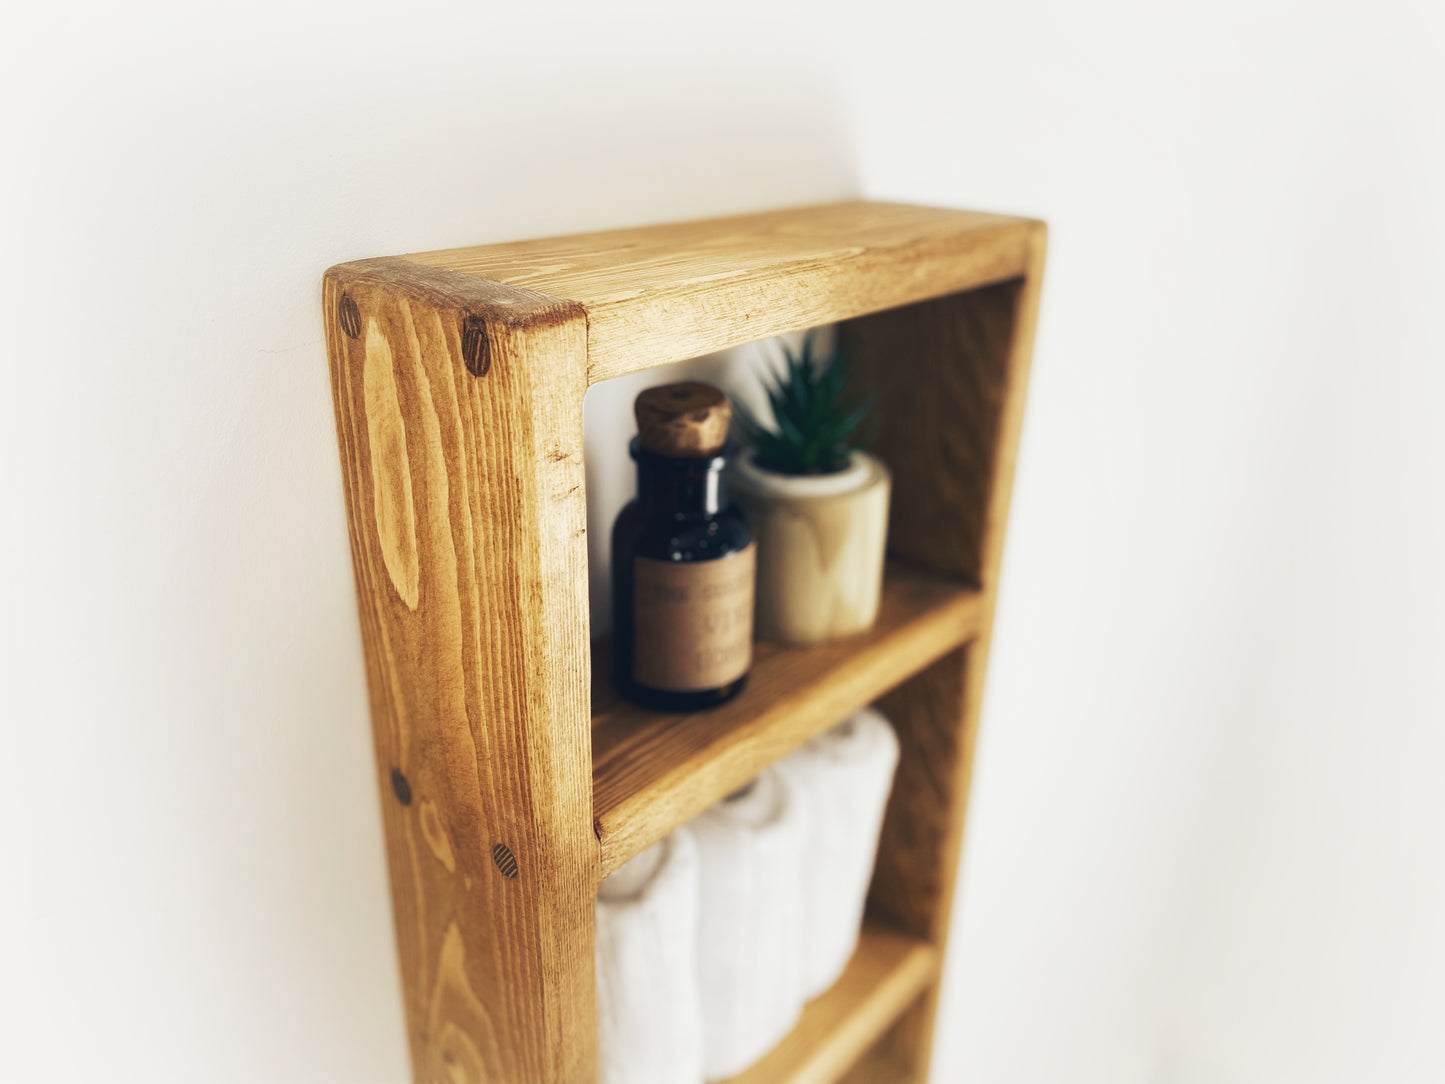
[{"x": 653, "y": 771}]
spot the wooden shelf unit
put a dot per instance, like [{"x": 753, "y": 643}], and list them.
[{"x": 507, "y": 792}]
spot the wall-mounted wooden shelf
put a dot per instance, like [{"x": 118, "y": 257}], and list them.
[{"x": 507, "y": 792}]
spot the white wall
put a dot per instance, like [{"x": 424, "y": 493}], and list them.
[
  {"x": 1207, "y": 839},
  {"x": 1207, "y": 842}
]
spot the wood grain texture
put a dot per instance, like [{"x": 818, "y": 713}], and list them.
[
  {"x": 880, "y": 1066},
  {"x": 653, "y": 772},
  {"x": 458, "y": 380},
  {"x": 953, "y": 459},
  {"x": 664, "y": 293},
  {"x": 458, "y": 410},
  {"x": 939, "y": 371},
  {"x": 887, "y": 974},
  {"x": 910, "y": 877}
]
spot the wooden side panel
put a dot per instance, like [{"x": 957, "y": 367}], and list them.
[
  {"x": 1011, "y": 409},
  {"x": 952, "y": 375},
  {"x": 459, "y": 413}
]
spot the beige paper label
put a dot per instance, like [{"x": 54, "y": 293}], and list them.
[{"x": 693, "y": 621}]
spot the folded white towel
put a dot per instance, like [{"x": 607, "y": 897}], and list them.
[
  {"x": 648, "y": 1013},
  {"x": 750, "y": 847},
  {"x": 843, "y": 777}
]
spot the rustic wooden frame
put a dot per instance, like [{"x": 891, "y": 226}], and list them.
[{"x": 509, "y": 784}]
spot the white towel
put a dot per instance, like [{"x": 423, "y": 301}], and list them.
[
  {"x": 843, "y": 777},
  {"x": 648, "y": 1013},
  {"x": 750, "y": 847}
]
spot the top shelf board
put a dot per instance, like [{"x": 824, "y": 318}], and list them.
[{"x": 665, "y": 293}]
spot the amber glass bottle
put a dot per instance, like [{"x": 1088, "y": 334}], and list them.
[{"x": 682, "y": 559}]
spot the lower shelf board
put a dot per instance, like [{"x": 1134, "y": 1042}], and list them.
[{"x": 886, "y": 975}]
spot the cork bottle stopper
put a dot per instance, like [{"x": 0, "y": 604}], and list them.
[{"x": 688, "y": 420}]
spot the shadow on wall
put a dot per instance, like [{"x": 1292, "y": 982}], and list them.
[
  {"x": 712, "y": 155},
  {"x": 204, "y": 555}
]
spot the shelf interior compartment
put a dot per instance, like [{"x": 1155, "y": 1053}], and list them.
[
  {"x": 458, "y": 380},
  {"x": 653, "y": 771}
]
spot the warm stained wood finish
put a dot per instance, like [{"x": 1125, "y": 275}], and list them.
[
  {"x": 665, "y": 293},
  {"x": 939, "y": 417},
  {"x": 458, "y": 380},
  {"x": 880, "y": 1066},
  {"x": 909, "y": 878},
  {"x": 464, "y": 495},
  {"x": 885, "y": 976},
  {"x": 652, "y": 772},
  {"x": 952, "y": 452}
]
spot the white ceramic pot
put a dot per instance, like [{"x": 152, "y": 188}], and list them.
[{"x": 821, "y": 540}]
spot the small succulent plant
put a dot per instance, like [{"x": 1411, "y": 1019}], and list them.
[{"x": 817, "y": 425}]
